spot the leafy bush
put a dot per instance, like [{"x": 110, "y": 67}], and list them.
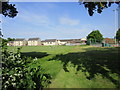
[{"x": 21, "y": 72}]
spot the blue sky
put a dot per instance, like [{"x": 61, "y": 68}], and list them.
[{"x": 60, "y": 20}]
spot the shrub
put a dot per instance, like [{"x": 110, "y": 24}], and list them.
[{"x": 21, "y": 72}]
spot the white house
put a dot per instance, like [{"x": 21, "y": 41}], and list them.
[
  {"x": 34, "y": 42},
  {"x": 83, "y": 39},
  {"x": 70, "y": 42},
  {"x": 50, "y": 42},
  {"x": 19, "y": 42},
  {"x": 63, "y": 42},
  {"x": 10, "y": 43}
]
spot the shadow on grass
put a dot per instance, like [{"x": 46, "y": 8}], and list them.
[
  {"x": 34, "y": 54},
  {"x": 94, "y": 62}
]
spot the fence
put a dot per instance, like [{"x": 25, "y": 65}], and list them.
[{"x": 105, "y": 45}]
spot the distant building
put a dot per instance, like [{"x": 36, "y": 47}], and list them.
[
  {"x": 34, "y": 42},
  {"x": 50, "y": 42},
  {"x": 109, "y": 40},
  {"x": 10, "y": 43},
  {"x": 64, "y": 41},
  {"x": 70, "y": 42},
  {"x": 19, "y": 42},
  {"x": 83, "y": 40},
  {"x": 37, "y": 42}
]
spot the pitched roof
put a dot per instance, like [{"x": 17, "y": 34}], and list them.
[
  {"x": 65, "y": 40},
  {"x": 19, "y": 39},
  {"x": 10, "y": 42},
  {"x": 30, "y": 39},
  {"x": 109, "y": 40},
  {"x": 69, "y": 40},
  {"x": 83, "y": 39},
  {"x": 50, "y": 40},
  {"x": 76, "y": 39},
  {"x": 43, "y": 41}
]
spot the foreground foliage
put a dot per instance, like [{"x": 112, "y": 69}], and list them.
[
  {"x": 9, "y": 10},
  {"x": 17, "y": 72},
  {"x": 97, "y": 6}
]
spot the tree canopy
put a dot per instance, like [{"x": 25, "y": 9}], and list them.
[
  {"x": 9, "y": 9},
  {"x": 10, "y": 39},
  {"x": 118, "y": 34},
  {"x": 96, "y": 6},
  {"x": 95, "y": 36}
]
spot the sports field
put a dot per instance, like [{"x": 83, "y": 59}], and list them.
[{"x": 77, "y": 66}]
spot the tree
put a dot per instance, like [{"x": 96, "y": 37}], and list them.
[
  {"x": 10, "y": 39},
  {"x": 118, "y": 35},
  {"x": 5, "y": 41},
  {"x": 95, "y": 36},
  {"x": 8, "y": 9},
  {"x": 97, "y": 6}
]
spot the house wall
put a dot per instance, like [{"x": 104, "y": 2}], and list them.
[
  {"x": 9, "y": 44},
  {"x": 20, "y": 43},
  {"x": 57, "y": 42},
  {"x": 49, "y": 43},
  {"x": 16, "y": 43},
  {"x": 34, "y": 43},
  {"x": 62, "y": 42},
  {"x": 25, "y": 43}
]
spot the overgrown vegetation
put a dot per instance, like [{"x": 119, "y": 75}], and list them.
[{"x": 21, "y": 72}]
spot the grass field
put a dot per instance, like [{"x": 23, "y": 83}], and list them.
[{"x": 77, "y": 66}]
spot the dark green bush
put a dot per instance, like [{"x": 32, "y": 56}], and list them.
[{"x": 21, "y": 72}]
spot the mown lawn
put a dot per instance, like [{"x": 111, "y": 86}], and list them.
[{"x": 77, "y": 66}]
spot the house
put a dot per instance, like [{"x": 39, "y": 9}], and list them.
[
  {"x": 83, "y": 40},
  {"x": 63, "y": 42},
  {"x": 19, "y": 42},
  {"x": 34, "y": 42},
  {"x": 109, "y": 40},
  {"x": 70, "y": 42},
  {"x": 50, "y": 42},
  {"x": 10, "y": 43}
]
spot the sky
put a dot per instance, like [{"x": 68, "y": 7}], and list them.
[{"x": 57, "y": 20}]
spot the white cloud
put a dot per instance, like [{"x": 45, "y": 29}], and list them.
[
  {"x": 33, "y": 18},
  {"x": 68, "y": 21}
]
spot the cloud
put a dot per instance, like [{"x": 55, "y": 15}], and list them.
[
  {"x": 30, "y": 23},
  {"x": 68, "y": 21},
  {"x": 35, "y": 19}
]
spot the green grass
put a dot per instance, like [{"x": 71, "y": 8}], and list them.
[{"x": 77, "y": 66}]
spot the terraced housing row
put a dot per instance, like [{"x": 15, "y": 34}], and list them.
[{"x": 38, "y": 42}]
